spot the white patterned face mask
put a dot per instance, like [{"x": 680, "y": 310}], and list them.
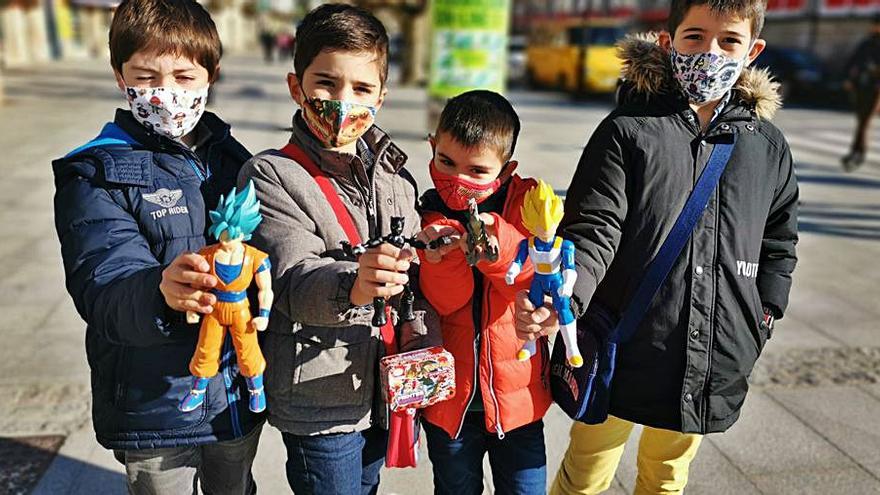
[
  {"x": 705, "y": 77},
  {"x": 171, "y": 112}
]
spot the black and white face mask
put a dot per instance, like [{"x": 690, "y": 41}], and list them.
[{"x": 705, "y": 77}]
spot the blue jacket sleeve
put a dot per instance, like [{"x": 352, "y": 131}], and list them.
[{"x": 111, "y": 274}]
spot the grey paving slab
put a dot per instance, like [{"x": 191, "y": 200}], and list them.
[
  {"x": 845, "y": 416},
  {"x": 818, "y": 482},
  {"x": 769, "y": 439}
]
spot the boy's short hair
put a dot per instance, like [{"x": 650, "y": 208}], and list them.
[
  {"x": 753, "y": 10},
  {"x": 481, "y": 118},
  {"x": 180, "y": 27},
  {"x": 340, "y": 27}
]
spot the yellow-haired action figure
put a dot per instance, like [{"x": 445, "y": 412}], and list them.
[{"x": 553, "y": 258}]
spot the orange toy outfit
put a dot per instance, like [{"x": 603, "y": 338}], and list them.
[{"x": 232, "y": 311}]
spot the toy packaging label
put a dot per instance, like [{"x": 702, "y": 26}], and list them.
[{"x": 417, "y": 379}]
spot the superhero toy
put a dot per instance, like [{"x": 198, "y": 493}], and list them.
[
  {"x": 553, "y": 259},
  {"x": 235, "y": 265},
  {"x": 396, "y": 239}
]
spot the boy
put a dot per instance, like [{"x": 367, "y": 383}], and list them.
[
  {"x": 684, "y": 373},
  {"x": 500, "y": 401},
  {"x": 129, "y": 205},
  {"x": 323, "y": 354}
]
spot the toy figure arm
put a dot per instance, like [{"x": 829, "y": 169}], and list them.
[
  {"x": 569, "y": 274},
  {"x": 265, "y": 296},
  {"x": 310, "y": 286},
  {"x": 263, "y": 279},
  {"x": 113, "y": 279},
  {"x": 596, "y": 206}
]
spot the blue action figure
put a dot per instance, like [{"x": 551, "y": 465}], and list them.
[{"x": 541, "y": 214}]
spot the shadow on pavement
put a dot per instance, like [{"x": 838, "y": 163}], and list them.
[
  {"x": 24, "y": 461},
  {"x": 840, "y": 220}
]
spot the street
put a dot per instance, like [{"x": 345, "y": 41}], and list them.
[{"x": 811, "y": 424}]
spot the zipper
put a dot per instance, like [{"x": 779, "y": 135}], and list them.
[
  {"x": 231, "y": 396},
  {"x": 476, "y": 382},
  {"x": 486, "y": 308}
]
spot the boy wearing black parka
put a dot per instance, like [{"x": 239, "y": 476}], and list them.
[{"x": 684, "y": 373}]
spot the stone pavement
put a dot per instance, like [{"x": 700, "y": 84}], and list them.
[{"x": 810, "y": 425}]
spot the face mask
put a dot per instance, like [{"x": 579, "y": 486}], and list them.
[
  {"x": 455, "y": 191},
  {"x": 336, "y": 123},
  {"x": 171, "y": 112},
  {"x": 705, "y": 77}
]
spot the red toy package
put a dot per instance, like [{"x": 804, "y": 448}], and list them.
[{"x": 417, "y": 379}]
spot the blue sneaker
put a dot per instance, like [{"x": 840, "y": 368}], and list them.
[
  {"x": 257, "y": 402},
  {"x": 196, "y": 395}
]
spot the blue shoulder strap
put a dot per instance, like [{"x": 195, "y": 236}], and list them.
[
  {"x": 111, "y": 135},
  {"x": 675, "y": 241}
]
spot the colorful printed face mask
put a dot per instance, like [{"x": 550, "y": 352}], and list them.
[
  {"x": 336, "y": 123},
  {"x": 456, "y": 192},
  {"x": 171, "y": 112},
  {"x": 705, "y": 77}
]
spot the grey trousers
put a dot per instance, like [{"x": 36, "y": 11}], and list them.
[{"x": 219, "y": 468}]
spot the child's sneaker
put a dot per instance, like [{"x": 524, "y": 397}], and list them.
[
  {"x": 257, "y": 402},
  {"x": 196, "y": 395}
]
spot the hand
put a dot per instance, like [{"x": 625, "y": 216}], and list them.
[
  {"x": 185, "y": 283},
  {"x": 491, "y": 234},
  {"x": 565, "y": 291},
  {"x": 260, "y": 323},
  {"x": 532, "y": 324},
  {"x": 512, "y": 272},
  {"x": 381, "y": 273},
  {"x": 434, "y": 232}
]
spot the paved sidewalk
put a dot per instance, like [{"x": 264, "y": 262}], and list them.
[{"x": 811, "y": 424}]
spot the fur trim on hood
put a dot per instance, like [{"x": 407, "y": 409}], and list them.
[{"x": 647, "y": 66}]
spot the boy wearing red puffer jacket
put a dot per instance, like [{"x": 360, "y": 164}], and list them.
[{"x": 500, "y": 401}]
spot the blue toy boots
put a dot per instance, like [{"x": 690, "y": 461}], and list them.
[
  {"x": 257, "y": 401},
  {"x": 196, "y": 395}
]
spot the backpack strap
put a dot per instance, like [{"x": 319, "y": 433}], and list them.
[
  {"x": 343, "y": 216},
  {"x": 675, "y": 241}
]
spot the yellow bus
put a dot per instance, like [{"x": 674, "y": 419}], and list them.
[{"x": 575, "y": 56}]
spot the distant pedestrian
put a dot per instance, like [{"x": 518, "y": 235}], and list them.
[{"x": 863, "y": 81}]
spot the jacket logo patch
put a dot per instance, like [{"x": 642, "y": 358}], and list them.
[
  {"x": 168, "y": 200},
  {"x": 746, "y": 269},
  {"x": 164, "y": 198}
]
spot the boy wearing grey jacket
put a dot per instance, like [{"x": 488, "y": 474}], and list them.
[{"x": 322, "y": 353}]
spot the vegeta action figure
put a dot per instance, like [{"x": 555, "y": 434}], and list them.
[
  {"x": 541, "y": 214},
  {"x": 235, "y": 265}
]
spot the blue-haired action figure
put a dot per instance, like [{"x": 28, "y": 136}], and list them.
[
  {"x": 235, "y": 265},
  {"x": 553, "y": 258}
]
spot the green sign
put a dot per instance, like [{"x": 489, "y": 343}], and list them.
[{"x": 468, "y": 46}]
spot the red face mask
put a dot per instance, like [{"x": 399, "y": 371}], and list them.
[{"x": 455, "y": 191}]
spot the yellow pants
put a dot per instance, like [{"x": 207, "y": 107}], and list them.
[
  {"x": 236, "y": 316},
  {"x": 594, "y": 453}
]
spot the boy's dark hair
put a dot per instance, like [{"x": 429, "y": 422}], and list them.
[
  {"x": 340, "y": 27},
  {"x": 481, "y": 118},
  {"x": 181, "y": 27},
  {"x": 753, "y": 10}
]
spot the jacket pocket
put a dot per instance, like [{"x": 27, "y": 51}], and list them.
[
  {"x": 333, "y": 367},
  {"x": 152, "y": 382},
  {"x": 760, "y": 332}
]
